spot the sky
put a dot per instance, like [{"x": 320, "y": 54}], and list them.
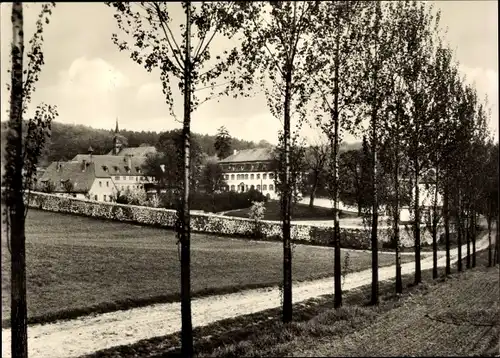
[{"x": 93, "y": 83}]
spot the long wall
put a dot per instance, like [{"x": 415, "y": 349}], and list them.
[{"x": 357, "y": 238}]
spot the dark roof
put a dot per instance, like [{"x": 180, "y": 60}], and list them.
[
  {"x": 250, "y": 155},
  {"x": 81, "y": 177},
  {"x": 108, "y": 165},
  {"x": 136, "y": 151}
]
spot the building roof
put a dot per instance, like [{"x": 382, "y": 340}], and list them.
[
  {"x": 250, "y": 155},
  {"x": 141, "y": 151},
  {"x": 108, "y": 165},
  {"x": 82, "y": 176}
]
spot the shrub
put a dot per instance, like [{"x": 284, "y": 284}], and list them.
[{"x": 257, "y": 211}]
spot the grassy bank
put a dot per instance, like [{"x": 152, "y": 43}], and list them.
[
  {"x": 299, "y": 212},
  {"x": 436, "y": 316},
  {"x": 79, "y": 265}
]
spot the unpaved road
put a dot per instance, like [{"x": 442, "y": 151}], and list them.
[{"x": 88, "y": 334}]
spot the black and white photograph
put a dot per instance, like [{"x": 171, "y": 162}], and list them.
[{"x": 250, "y": 179}]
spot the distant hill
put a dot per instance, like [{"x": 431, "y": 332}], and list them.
[{"x": 67, "y": 140}]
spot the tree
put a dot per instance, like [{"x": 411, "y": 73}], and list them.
[
  {"x": 421, "y": 26},
  {"x": 222, "y": 143},
  {"x": 212, "y": 180},
  {"x": 317, "y": 159},
  {"x": 21, "y": 155},
  {"x": 338, "y": 34},
  {"x": 377, "y": 50},
  {"x": 276, "y": 39},
  {"x": 166, "y": 165},
  {"x": 68, "y": 186},
  {"x": 152, "y": 44}
]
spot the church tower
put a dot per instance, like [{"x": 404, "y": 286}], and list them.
[{"x": 117, "y": 144}]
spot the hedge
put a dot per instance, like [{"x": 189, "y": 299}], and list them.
[{"x": 354, "y": 238}]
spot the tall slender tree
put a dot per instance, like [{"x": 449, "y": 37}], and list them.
[
  {"x": 377, "y": 50},
  {"x": 276, "y": 39},
  {"x": 22, "y": 153},
  {"x": 421, "y": 27},
  {"x": 337, "y": 51}
]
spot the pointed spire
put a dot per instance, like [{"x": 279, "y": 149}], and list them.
[{"x": 116, "y": 129}]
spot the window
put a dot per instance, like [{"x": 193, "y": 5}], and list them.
[
  {"x": 104, "y": 197},
  {"x": 128, "y": 186},
  {"x": 232, "y": 187},
  {"x": 95, "y": 197},
  {"x": 246, "y": 176},
  {"x": 258, "y": 187},
  {"x": 264, "y": 187},
  {"x": 271, "y": 176},
  {"x": 136, "y": 178},
  {"x": 232, "y": 176},
  {"x": 258, "y": 176},
  {"x": 130, "y": 178},
  {"x": 270, "y": 187},
  {"x": 252, "y": 187},
  {"x": 264, "y": 176},
  {"x": 251, "y": 176},
  {"x": 100, "y": 183},
  {"x": 117, "y": 178},
  {"x": 107, "y": 184}
]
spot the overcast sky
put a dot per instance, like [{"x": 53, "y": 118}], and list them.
[{"x": 92, "y": 83}]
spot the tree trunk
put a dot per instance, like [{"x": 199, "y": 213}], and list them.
[
  {"x": 336, "y": 231},
  {"x": 286, "y": 200},
  {"x": 16, "y": 207},
  {"x": 374, "y": 239},
  {"x": 399, "y": 280},
  {"x": 187, "y": 326},
  {"x": 473, "y": 232},
  {"x": 447, "y": 230},
  {"x": 313, "y": 192},
  {"x": 467, "y": 238},
  {"x": 459, "y": 232},
  {"x": 416, "y": 208},
  {"x": 490, "y": 258},
  {"x": 435, "y": 222}
]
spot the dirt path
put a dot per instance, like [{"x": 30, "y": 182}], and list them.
[{"x": 89, "y": 334}]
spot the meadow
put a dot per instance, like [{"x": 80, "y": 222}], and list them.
[{"x": 79, "y": 265}]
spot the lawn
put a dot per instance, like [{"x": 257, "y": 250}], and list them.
[
  {"x": 299, "y": 212},
  {"x": 78, "y": 265}
]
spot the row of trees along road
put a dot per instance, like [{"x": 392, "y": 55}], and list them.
[{"x": 377, "y": 69}]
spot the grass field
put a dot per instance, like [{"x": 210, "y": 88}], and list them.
[
  {"x": 299, "y": 212},
  {"x": 454, "y": 317},
  {"x": 79, "y": 265}
]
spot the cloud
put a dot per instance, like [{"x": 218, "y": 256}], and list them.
[
  {"x": 87, "y": 92},
  {"x": 150, "y": 92}
]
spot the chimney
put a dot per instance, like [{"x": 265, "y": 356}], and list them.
[
  {"x": 84, "y": 165},
  {"x": 129, "y": 162}
]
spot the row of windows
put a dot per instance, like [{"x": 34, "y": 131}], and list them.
[
  {"x": 264, "y": 187},
  {"x": 130, "y": 178},
  {"x": 251, "y": 177}
]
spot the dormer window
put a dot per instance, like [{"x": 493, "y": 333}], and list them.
[
  {"x": 105, "y": 168},
  {"x": 127, "y": 168},
  {"x": 138, "y": 170},
  {"x": 116, "y": 169}
]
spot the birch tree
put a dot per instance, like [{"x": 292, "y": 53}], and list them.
[
  {"x": 337, "y": 51},
  {"x": 276, "y": 39},
  {"x": 377, "y": 50},
  {"x": 421, "y": 26},
  {"x": 22, "y": 154},
  {"x": 151, "y": 39}
]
